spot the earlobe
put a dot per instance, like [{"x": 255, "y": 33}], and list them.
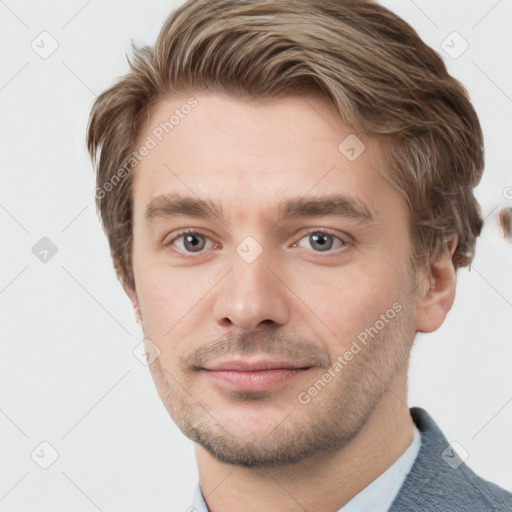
[{"x": 437, "y": 293}]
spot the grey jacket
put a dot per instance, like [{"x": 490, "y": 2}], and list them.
[{"x": 439, "y": 481}]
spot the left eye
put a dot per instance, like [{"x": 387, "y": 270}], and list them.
[{"x": 321, "y": 241}]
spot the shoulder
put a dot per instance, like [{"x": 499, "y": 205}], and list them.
[{"x": 439, "y": 480}]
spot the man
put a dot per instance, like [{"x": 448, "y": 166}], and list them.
[{"x": 287, "y": 190}]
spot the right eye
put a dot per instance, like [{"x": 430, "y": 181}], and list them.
[{"x": 188, "y": 242}]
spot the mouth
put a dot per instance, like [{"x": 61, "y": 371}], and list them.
[{"x": 253, "y": 374}]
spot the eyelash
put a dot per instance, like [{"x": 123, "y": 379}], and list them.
[{"x": 323, "y": 231}]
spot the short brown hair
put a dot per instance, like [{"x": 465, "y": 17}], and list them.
[{"x": 363, "y": 59}]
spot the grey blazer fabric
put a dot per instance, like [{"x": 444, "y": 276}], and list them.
[{"x": 437, "y": 483}]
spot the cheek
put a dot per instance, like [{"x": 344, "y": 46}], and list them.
[
  {"x": 162, "y": 310},
  {"x": 156, "y": 293},
  {"x": 157, "y": 311},
  {"x": 170, "y": 300},
  {"x": 347, "y": 300}
]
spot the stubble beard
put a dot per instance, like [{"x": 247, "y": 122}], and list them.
[{"x": 324, "y": 425}]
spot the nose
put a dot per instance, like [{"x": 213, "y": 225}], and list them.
[{"x": 250, "y": 295}]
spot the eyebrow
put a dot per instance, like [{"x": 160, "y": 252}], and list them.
[{"x": 332, "y": 205}]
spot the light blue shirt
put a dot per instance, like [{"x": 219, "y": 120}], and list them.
[{"x": 376, "y": 497}]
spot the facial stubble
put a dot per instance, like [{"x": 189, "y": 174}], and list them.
[{"x": 324, "y": 425}]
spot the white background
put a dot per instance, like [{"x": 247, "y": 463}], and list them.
[{"x": 67, "y": 372}]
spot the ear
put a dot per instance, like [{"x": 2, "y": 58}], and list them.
[
  {"x": 436, "y": 290},
  {"x": 134, "y": 300}
]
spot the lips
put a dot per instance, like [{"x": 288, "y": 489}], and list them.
[{"x": 253, "y": 374}]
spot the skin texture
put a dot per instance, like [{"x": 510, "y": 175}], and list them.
[{"x": 297, "y": 301}]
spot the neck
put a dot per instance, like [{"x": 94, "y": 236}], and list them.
[{"x": 325, "y": 482}]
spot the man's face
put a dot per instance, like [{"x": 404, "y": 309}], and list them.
[{"x": 250, "y": 310}]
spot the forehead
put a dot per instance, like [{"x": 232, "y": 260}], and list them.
[{"x": 254, "y": 154}]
